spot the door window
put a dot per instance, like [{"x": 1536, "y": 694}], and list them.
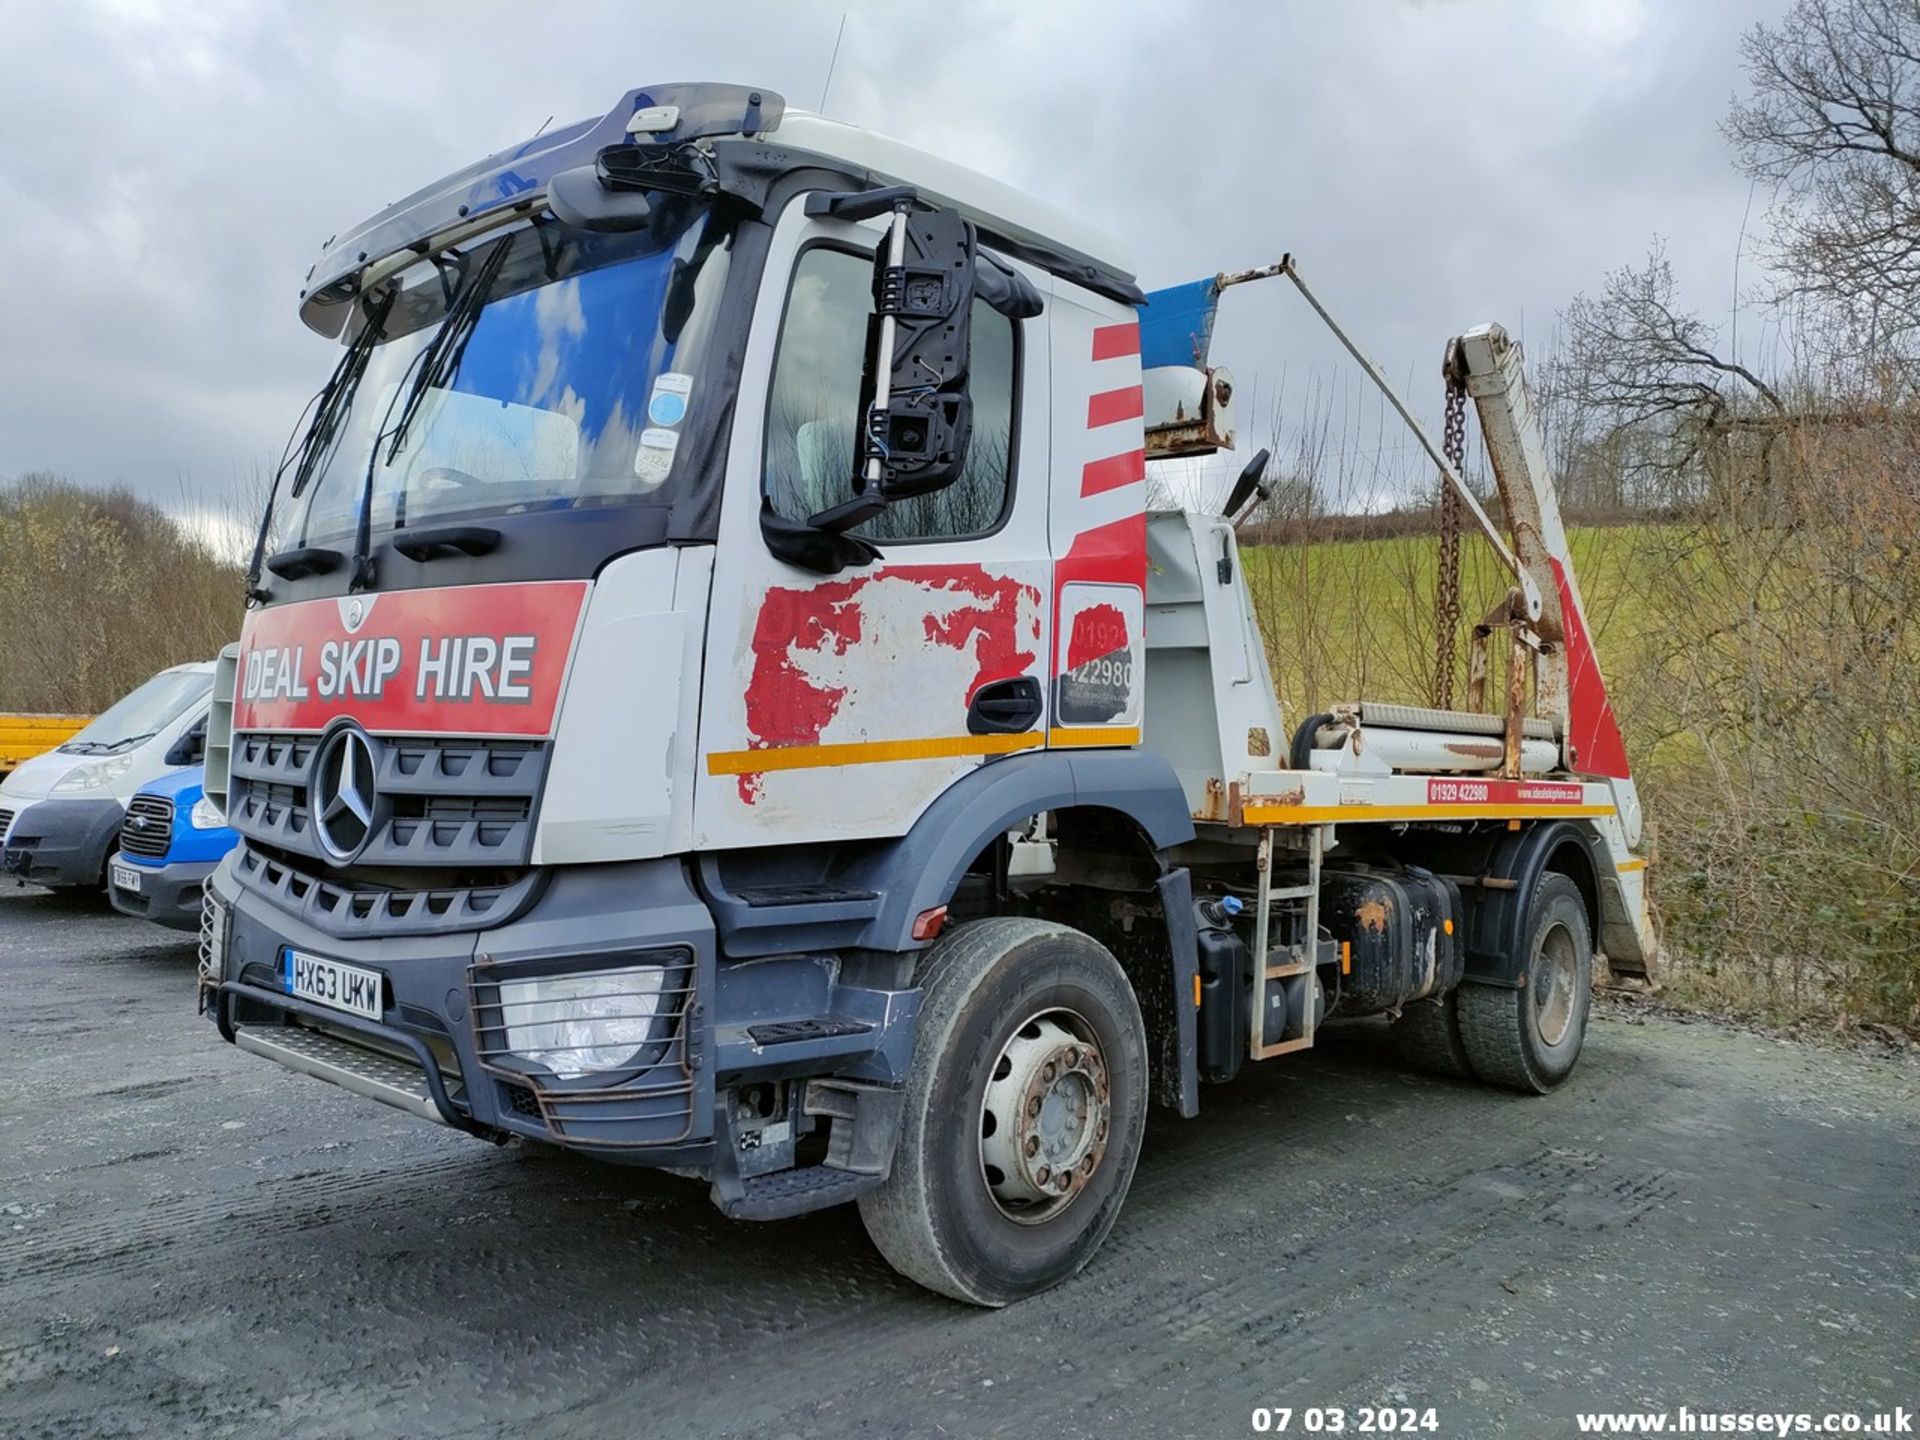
[{"x": 812, "y": 416}]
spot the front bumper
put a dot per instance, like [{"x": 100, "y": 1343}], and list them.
[
  {"x": 63, "y": 843},
  {"x": 435, "y": 985},
  {"x": 170, "y": 895},
  {"x": 756, "y": 1054}
]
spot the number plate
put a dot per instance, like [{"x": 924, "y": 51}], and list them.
[
  {"x": 125, "y": 877},
  {"x": 328, "y": 982}
]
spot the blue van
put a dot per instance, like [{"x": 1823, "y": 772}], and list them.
[{"x": 172, "y": 839}]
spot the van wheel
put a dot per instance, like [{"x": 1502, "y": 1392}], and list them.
[
  {"x": 1024, "y": 1112},
  {"x": 1528, "y": 1039},
  {"x": 1427, "y": 1033}
]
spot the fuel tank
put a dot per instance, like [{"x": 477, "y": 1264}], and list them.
[{"x": 1399, "y": 936}]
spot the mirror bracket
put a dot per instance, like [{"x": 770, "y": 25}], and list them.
[
  {"x": 859, "y": 204},
  {"x": 916, "y": 417}
]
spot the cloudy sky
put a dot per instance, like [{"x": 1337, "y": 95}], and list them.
[{"x": 169, "y": 170}]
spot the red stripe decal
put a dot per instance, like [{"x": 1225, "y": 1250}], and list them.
[
  {"x": 1597, "y": 746},
  {"x": 1110, "y": 342},
  {"x": 1113, "y": 472},
  {"x": 1111, "y": 405},
  {"x": 1111, "y": 554},
  {"x": 1504, "y": 792}
]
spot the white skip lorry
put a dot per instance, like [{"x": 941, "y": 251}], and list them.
[{"x": 713, "y": 697}]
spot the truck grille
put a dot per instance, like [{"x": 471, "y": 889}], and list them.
[
  {"x": 149, "y": 826},
  {"x": 6, "y": 822},
  {"x": 330, "y": 904},
  {"x": 460, "y": 803}
]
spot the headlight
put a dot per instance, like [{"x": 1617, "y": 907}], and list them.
[
  {"x": 205, "y": 815},
  {"x": 93, "y": 775},
  {"x": 579, "y": 1024}
]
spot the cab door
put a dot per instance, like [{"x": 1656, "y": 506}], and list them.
[{"x": 840, "y": 706}]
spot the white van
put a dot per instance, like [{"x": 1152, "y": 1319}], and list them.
[{"x": 60, "y": 813}]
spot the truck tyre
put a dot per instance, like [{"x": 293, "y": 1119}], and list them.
[
  {"x": 1427, "y": 1033},
  {"x": 1024, "y": 1112},
  {"x": 1528, "y": 1039}
]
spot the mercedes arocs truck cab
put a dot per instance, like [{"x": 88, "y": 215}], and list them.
[{"x": 712, "y": 697}]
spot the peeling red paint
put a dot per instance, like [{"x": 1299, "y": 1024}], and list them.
[
  {"x": 785, "y": 708},
  {"x": 1098, "y": 630},
  {"x": 996, "y": 620}
]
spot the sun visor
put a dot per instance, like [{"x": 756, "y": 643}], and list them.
[{"x": 516, "y": 180}]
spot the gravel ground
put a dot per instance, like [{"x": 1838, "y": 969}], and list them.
[{"x": 196, "y": 1242}]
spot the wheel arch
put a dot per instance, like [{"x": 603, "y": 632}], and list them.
[
  {"x": 1496, "y": 951},
  {"x": 1108, "y": 806},
  {"x": 921, "y": 870}
]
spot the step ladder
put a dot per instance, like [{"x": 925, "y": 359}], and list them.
[{"x": 1299, "y": 911}]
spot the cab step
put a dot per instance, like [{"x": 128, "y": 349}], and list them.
[{"x": 787, "y": 1193}]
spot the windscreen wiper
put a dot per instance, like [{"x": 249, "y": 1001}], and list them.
[
  {"x": 329, "y": 407},
  {"x": 436, "y": 367}
]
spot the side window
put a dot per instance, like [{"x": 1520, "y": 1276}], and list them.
[{"x": 816, "y": 389}]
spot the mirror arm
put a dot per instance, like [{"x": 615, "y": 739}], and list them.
[
  {"x": 860, "y": 204},
  {"x": 871, "y": 499}
]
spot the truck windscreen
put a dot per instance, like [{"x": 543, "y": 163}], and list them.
[{"x": 570, "y": 388}]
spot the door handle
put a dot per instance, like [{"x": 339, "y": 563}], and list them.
[{"x": 1005, "y": 707}]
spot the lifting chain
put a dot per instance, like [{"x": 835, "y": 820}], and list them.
[{"x": 1446, "y": 608}]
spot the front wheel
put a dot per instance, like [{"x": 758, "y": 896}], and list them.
[
  {"x": 1024, "y": 1113},
  {"x": 1528, "y": 1039}
]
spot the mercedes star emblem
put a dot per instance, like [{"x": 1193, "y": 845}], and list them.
[{"x": 343, "y": 796}]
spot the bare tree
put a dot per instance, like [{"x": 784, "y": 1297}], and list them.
[
  {"x": 1641, "y": 395},
  {"x": 1635, "y": 357},
  {"x": 1833, "y": 122}
]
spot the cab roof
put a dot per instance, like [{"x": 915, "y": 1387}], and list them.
[
  {"x": 514, "y": 182},
  {"x": 990, "y": 203}
]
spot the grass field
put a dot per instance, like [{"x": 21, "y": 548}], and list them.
[
  {"x": 1765, "y": 684},
  {"x": 1350, "y": 619}
]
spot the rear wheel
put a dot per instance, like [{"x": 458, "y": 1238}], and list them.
[
  {"x": 1528, "y": 1039},
  {"x": 1427, "y": 1033},
  {"x": 1024, "y": 1113}
]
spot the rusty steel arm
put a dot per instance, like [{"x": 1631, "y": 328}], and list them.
[{"x": 1529, "y": 589}]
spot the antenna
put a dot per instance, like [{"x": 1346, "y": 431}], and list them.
[{"x": 841, "y": 35}]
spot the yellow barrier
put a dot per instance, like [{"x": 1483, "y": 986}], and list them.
[{"x": 24, "y": 736}]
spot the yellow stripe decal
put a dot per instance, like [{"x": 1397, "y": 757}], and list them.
[
  {"x": 1081, "y": 737},
  {"x": 1635, "y": 864},
  {"x": 873, "y": 752},
  {"x": 864, "y": 752},
  {"x": 1328, "y": 814}
]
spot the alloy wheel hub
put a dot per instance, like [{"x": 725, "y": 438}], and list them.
[{"x": 1045, "y": 1118}]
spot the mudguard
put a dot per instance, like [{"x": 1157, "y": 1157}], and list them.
[
  {"x": 922, "y": 869},
  {"x": 1496, "y": 954}
]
